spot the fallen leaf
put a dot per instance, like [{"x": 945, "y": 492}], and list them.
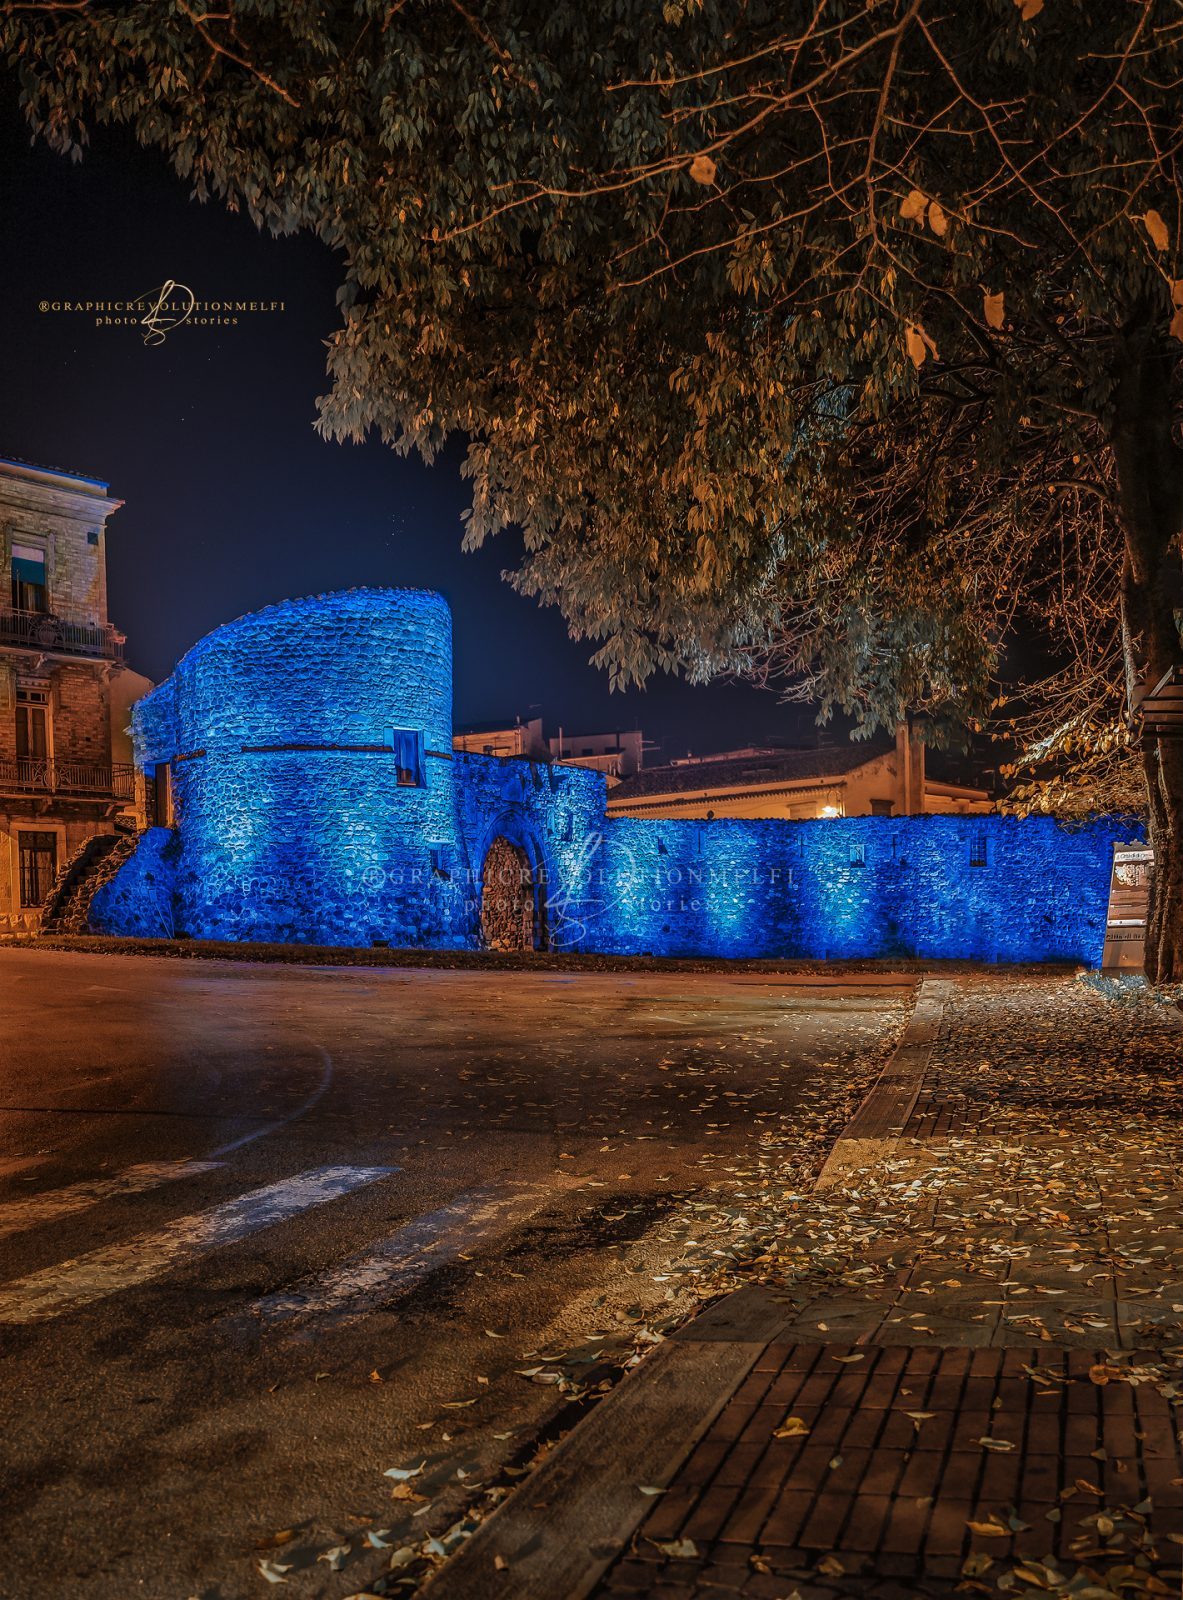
[
  {"x": 277, "y": 1540},
  {"x": 273, "y": 1572},
  {"x": 990, "y": 1529},
  {"x": 403, "y": 1473},
  {"x": 403, "y": 1491},
  {"x": 335, "y": 1557},
  {"x": 791, "y": 1428},
  {"x": 680, "y": 1549}
]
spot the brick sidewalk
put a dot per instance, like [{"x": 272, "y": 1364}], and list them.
[{"x": 976, "y": 1388}]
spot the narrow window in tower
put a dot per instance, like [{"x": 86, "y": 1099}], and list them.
[{"x": 407, "y": 746}]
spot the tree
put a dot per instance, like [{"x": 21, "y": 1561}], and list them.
[{"x": 836, "y": 340}]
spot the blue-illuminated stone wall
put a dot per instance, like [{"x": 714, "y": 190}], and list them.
[
  {"x": 293, "y": 826},
  {"x": 139, "y": 901},
  {"x": 987, "y": 888}
]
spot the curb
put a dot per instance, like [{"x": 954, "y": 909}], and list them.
[
  {"x": 877, "y": 1127},
  {"x": 565, "y": 1526},
  {"x": 561, "y": 1530}
]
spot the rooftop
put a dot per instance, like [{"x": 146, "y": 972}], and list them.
[
  {"x": 30, "y": 469},
  {"x": 763, "y": 767}
]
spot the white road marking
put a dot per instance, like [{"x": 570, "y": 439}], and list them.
[
  {"x": 104, "y": 1272},
  {"x": 406, "y": 1257},
  {"x": 34, "y": 1209},
  {"x": 326, "y": 1078}
]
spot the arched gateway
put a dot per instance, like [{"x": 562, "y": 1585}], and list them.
[{"x": 513, "y": 906}]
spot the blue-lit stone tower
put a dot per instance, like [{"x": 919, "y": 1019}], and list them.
[
  {"x": 316, "y": 792},
  {"x": 318, "y": 800},
  {"x": 310, "y": 753}
]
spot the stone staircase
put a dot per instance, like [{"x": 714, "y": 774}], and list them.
[{"x": 94, "y": 863}]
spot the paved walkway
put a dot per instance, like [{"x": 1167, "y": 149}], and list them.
[
  {"x": 952, "y": 1364},
  {"x": 974, "y": 1388}
]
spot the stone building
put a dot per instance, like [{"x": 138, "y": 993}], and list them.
[
  {"x": 304, "y": 758},
  {"x": 66, "y": 771}
]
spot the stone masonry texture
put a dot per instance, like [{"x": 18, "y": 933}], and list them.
[{"x": 283, "y": 732}]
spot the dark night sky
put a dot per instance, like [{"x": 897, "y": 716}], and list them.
[{"x": 232, "y": 501}]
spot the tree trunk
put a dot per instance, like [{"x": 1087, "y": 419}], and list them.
[{"x": 1150, "y": 489}]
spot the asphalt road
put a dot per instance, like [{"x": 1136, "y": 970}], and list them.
[{"x": 267, "y": 1232}]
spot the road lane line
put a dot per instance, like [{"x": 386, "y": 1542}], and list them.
[
  {"x": 32, "y": 1210},
  {"x": 326, "y": 1077},
  {"x": 404, "y": 1259},
  {"x": 83, "y": 1279}
]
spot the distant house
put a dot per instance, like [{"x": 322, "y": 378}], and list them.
[
  {"x": 851, "y": 780},
  {"x": 616, "y": 755},
  {"x": 519, "y": 738}
]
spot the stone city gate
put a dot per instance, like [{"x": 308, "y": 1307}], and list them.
[{"x": 511, "y": 899}]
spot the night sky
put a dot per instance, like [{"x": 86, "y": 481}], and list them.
[{"x": 232, "y": 500}]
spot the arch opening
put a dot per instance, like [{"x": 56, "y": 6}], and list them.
[{"x": 513, "y": 899}]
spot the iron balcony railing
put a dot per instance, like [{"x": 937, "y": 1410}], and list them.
[
  {"x": 43, "y": 630},
  {"x": 36, "y": 775}
]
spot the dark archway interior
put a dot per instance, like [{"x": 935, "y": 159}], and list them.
[{"x": 509, "y": 914}]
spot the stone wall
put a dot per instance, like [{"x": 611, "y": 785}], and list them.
[
  {"x": 984, "y": 888},
  {"x": 294, "y": 826},
  {"x": 138, "y": 902}
]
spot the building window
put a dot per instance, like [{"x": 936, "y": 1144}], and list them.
[
  {"x": 38, "y": 866},
  {"x": 32, "y": 724},
  {"x": 858, "y": 854},
  {"x": 408, "y": 756},
  {"x": 881, "y": 808},
  {"x": 439, "y": 861},
  {"x": 977, "y": 851},
  {"x": 29, "y": 592}
]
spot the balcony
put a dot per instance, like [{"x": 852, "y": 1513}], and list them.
[
  {"x": 54, "y": 635},
  {"x": 67, "y": 780}
]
